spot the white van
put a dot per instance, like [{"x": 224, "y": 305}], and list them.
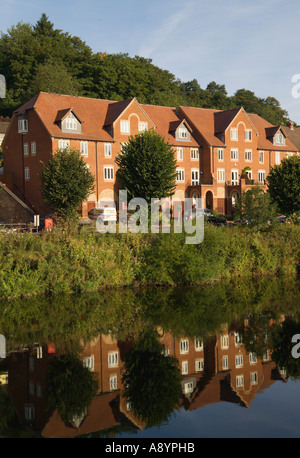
[{"x": 105, "y": 214}]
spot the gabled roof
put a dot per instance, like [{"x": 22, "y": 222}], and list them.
[
  {"x": 223, "y": 119},
  {"x": 293, "y": 135},
  {"x": 167, "y": 120},
  {"x": 266, "y": 132},
  {"x": 62, "y": 114}
]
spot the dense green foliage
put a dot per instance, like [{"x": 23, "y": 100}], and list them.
[
  {"x": 66, "y": 182},
  {"x": 147, "y": 167},
  {"x": 40, "y": 57},
  {"x": 61, "y": 262},
  {"x": 255, "y": 206},
  {"x": 284, "y": 185}
]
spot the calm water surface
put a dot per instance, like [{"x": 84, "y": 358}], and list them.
[{"x": 164, "y": 363}]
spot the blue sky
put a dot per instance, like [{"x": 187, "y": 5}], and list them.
[{"x": 240, "y": 43}]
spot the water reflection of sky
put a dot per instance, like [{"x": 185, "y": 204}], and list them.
[{"x": 273, "y": 413}]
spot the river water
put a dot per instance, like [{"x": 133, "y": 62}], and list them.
[{"x": 193, "y": 362}]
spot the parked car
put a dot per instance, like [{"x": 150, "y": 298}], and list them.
[
  {"x": 105, "y": 214},
  {"x": 208, "y": 216}
]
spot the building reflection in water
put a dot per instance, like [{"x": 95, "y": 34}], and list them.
[{"x": 216, "y": 370}]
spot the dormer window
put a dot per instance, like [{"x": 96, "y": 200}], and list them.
[
  {"x": 71, "y": 123},
  {"x": 183, "y": 133},
  {"x": 279, "y": 139},
  {"x": 68, "y": 121}
]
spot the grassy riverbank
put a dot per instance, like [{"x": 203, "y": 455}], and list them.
[{"x": 66, "y": 262}]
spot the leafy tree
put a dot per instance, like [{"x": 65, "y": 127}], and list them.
[
  {"x": 284, "y": 185},
  {"x": 66, "y": 182},
  {"x": 151, "y": 380},
  {"x": 147, "y": 167},
  {"x": 70, "y": 387},
  {"x": 256, "y": 206},
  {"x": 281, "y": 337}
]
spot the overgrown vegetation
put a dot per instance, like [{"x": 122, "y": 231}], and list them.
[
  {"x": 64, "y": 262},
  {"x": 39, "y": 57}
]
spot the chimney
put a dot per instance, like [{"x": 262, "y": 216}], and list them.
[{"x": 290, "y": 125}]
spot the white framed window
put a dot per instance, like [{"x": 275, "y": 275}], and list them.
[
  {"x": 183, "y": 133},
  {"x": 261, "y": 176},
  {"x": 233, "y": 133},
  {"x": 234, "y": 154},
  {"x": 266, "y": 355},
  {"x": 289, "y": 155},
  {"x": 184, "y": 346},
  {"x": 253, "y": 378},
  {"x": 125, "y": 127},
  {"x": 252, "y": 358},
  {"x": 239, "y": 381},
  {"x": 39, "y": 352},
  {"x": 237, "y": 339},
  {"x": 195, "y": 177},
  {"x": 63, "y": 144},
  {"x": 29, "y": 412},
  {"x": 22, "y": 126},
  {"x": 225, "y": 364},
  {"x": 143, "y": 126},
  {"x": 113, "y": 359},
  {"x": 279, "y": 139},
  {"x": 108, "y": 173},
  {"x": 33, "y": 148},
  {"x": 225, "y": 341},
  {"x": 179, "y": 154},
  {"x": 198, "y": 344},
  {"x": 184, "y": 367},
  {"x": 71, "y": 123},
  {"x": 27, "y": 173},
  {"x": 220, "y": 154},
  {"x": 221, "y": 175},
  {"x": 188, "y": 387},
  {"x": 113, "y": 382},
  {"x": 199, "y": 365},
  {"x": 239, "y": 361},
  {"x": 89, "y": 362},
  {"x": 248, "y": 155},
  {"x": 180, "y": 175},
  {"x": 261, "y": 157},
  {"x": 107, "y": 149},
  {"x": 25, "y": 149},
  {"x": 249, "y": 174},
  {"x": 122, "y": 146},
  {"x": 277, "y": 157},
  {"x": 234, "y": 177},
  {"x": 84, "y": 148},
  {"x": 248, "y": 135},
  {"x": 194, "y": 153}
]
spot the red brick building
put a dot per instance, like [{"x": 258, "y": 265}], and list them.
[{"x": 212, "y": 147}]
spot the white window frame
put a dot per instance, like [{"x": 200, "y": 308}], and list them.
[
  {"x": 188, "y": 387},
  {"x": 234, "y": 181},
  {"x": 279, "y": 136},
  {"x": 113, "y": 382},
  {"x": 248, "y": 135},
  {"x": 29, "y": 412},
  {"x": 248, "y": 155},
  {"x": 179, "y": 154},
  {"x": 220, "y": 154},
  {"x": 239, "y": 381},
  {"x": 253, "y": 378},
  {"x": 108, "y": 173},
  {"x": 22, "y": 126},
  {"x": 225, "y": 341},
  {"x": 33, "y": 148},
  {"x": 194, "y": 154},
  {"x": 89, "y": 362},
  {"x": 107, "y": 149},
  {"x": 221, "y": 175},
  {"x": 26, "y": 149},
  {"x": 277, "y": 157},
  {"x": 71, "y": 123},
  {"x": 84, "y": 149},
  {"x": 63, "y": 144},
  {"x": 234, "y": 154},
  {"x": 143, "y": 126},
  {"x": 252, "y": 358},
  {"x": 199, "y": 365},
  {"x": 113, "y": 359},
  {"x": 195, "y": 180},
  {"x": 261, "y": 157},
  {"x": 198, "y": 344},
  {"x": 239, "y": 361},
  {"x": 180, "y": 175},
  {"x": 183, "y": 133},
  {"x": 184, "y": 367},
  {"x": 234, "y": 135},
  {"x": 225, "y": 362},
  {"x": 249, "y": 174},
  {"x": 125, "y": 127},
  {"x": 27, "y": 173},
  {"x": 184, "y": 346},
  {"x": 261, "y": 173}
]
